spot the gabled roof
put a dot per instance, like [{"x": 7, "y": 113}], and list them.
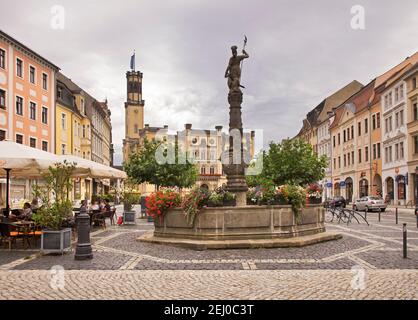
[
  {"x": 357, "y": 102},
  {"x": 385, "y": 76},
  {"x": 68, "y": 83},
  {"x": 411, "y": 71},
  {"x": 338, "y": 97},
  {"x": 320, "y": 113}
]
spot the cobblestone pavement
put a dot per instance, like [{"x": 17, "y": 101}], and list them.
[
  {"x": 130, "y": 267},
  {"x": 213, "y": 284}
]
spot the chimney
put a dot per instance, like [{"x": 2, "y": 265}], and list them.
[
  {"x": 218, "y": 128},
  {"x": 252, "y": 134},
  {"x": 188, "y": 126},
  {"x": 165, "y": 126},
  {"x": 146, "y": 126}
]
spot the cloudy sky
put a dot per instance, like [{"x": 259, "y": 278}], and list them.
[{"x": 300, "y": 52}]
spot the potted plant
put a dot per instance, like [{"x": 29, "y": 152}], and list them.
[
  {"x": 108, "y": 197},
  {"x": 55, "y": 214},
  {"x": 215, "y": 200},
  {"x": 129, "y": 215},
  {"x": 229, "y": 199},
  {"x": 314, "y": 193},
  {"x": 281, "y": 196}
]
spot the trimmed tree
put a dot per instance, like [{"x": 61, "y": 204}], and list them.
[
  {"x": 144, "y": 167},
  {"x": 290, "y": 162}
]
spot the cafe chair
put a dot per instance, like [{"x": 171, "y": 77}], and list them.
[
  {"x": 99, "y": 219},
  {"x": 8, "y": 236}
]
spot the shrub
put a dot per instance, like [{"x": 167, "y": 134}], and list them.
[
  {"x": 129, "y": 199},
  {"x": 192, "y": 203},
  {"x": 216, "y": 199},
  {"x": 228, "y": 196},
  {"x": 296, "y": 196},
  {"x": 56, "y": 206},
  {"x": 108, "y": 197}
]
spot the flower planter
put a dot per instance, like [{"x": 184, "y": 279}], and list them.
[
  {"x": 129, "y": 217},
  {"x": 315, "y": 200},
  {"x": 229, "y": 203},
  {"x": 53, "y": 241},
  {"x": 212, "y": 204}
]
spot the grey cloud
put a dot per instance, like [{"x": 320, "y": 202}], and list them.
[{"x": 300, "y": 52}]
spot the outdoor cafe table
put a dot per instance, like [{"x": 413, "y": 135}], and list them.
[{"x": 25, "y": 228}]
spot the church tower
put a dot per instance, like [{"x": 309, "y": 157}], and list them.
[{"x": 134, "y": 111}]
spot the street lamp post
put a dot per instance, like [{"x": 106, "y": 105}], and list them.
[{"x": 83, "y": 250}]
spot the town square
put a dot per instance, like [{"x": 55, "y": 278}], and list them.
[{"x": 164, "y": 151}]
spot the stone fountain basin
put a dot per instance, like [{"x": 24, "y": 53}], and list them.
[{"x": 242, "y": 227}]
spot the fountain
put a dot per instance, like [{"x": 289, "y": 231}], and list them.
[{"x": 242, "y": 226}]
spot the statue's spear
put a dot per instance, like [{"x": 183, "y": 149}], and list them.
[{"x": 242, "y": 61}]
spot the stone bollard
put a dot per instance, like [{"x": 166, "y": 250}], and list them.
[{"x": 83, "y": 250}]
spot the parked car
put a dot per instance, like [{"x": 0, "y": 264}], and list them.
[
  {"x": 370, "y": 203},
  {"x": 335, "y": 202}
]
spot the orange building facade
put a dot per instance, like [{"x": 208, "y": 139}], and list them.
[{"x": 27, "y": 100}]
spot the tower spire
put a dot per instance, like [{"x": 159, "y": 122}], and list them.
[{"x": 133, "y": 61}]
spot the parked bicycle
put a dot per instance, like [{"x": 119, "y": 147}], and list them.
[{"x": 343, "y": 215}]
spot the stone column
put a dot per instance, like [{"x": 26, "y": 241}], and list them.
[{"x": 235, "y": 166}]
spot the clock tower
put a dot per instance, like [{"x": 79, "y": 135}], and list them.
[{"x": 134, "y": 112}]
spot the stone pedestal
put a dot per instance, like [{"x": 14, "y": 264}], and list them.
[
  {"x": 235, "y": 168},
  {"x": 241, "y": 199}
]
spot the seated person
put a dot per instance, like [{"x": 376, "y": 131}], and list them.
[
  {"x": 34, "y": 204},
  {"x": 27, "y": 212},
  {"x": 95, "y": 206},
  {"x": 83, "y": 204},
  {"x": 106, "y": 206}
]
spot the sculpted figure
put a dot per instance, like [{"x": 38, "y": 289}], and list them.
[{"x": 233, "y": 71}]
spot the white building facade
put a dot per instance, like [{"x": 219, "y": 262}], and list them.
[{"x": 394, "y": 143}]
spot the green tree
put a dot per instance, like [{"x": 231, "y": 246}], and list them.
[
  {"x": 56, "y": 205},
  {"x": 290, "y": 162},
  {"x": 143, "y": 167}
]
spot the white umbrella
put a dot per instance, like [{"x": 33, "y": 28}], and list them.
[
  {"x": 23, "y": 160},
  {"x": 19, "y": 160},
  {"x": 28, "y": 162},
  {"x": 96, "y": 170}
]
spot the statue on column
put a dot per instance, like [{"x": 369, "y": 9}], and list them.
[{"x": 233, "y": 71}]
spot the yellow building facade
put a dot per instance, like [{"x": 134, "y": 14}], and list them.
[
  {"x": 73, "y": 129},
  {"x": 411, "y": 78}
]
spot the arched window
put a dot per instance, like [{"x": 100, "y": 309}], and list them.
[
  {"x": 202, "y": 170},
  {"x": 135, "y": 128},
  {"x": 212, "y": 170}
]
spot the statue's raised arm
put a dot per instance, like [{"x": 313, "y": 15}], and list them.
[{"x": 233, "y": 71}]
